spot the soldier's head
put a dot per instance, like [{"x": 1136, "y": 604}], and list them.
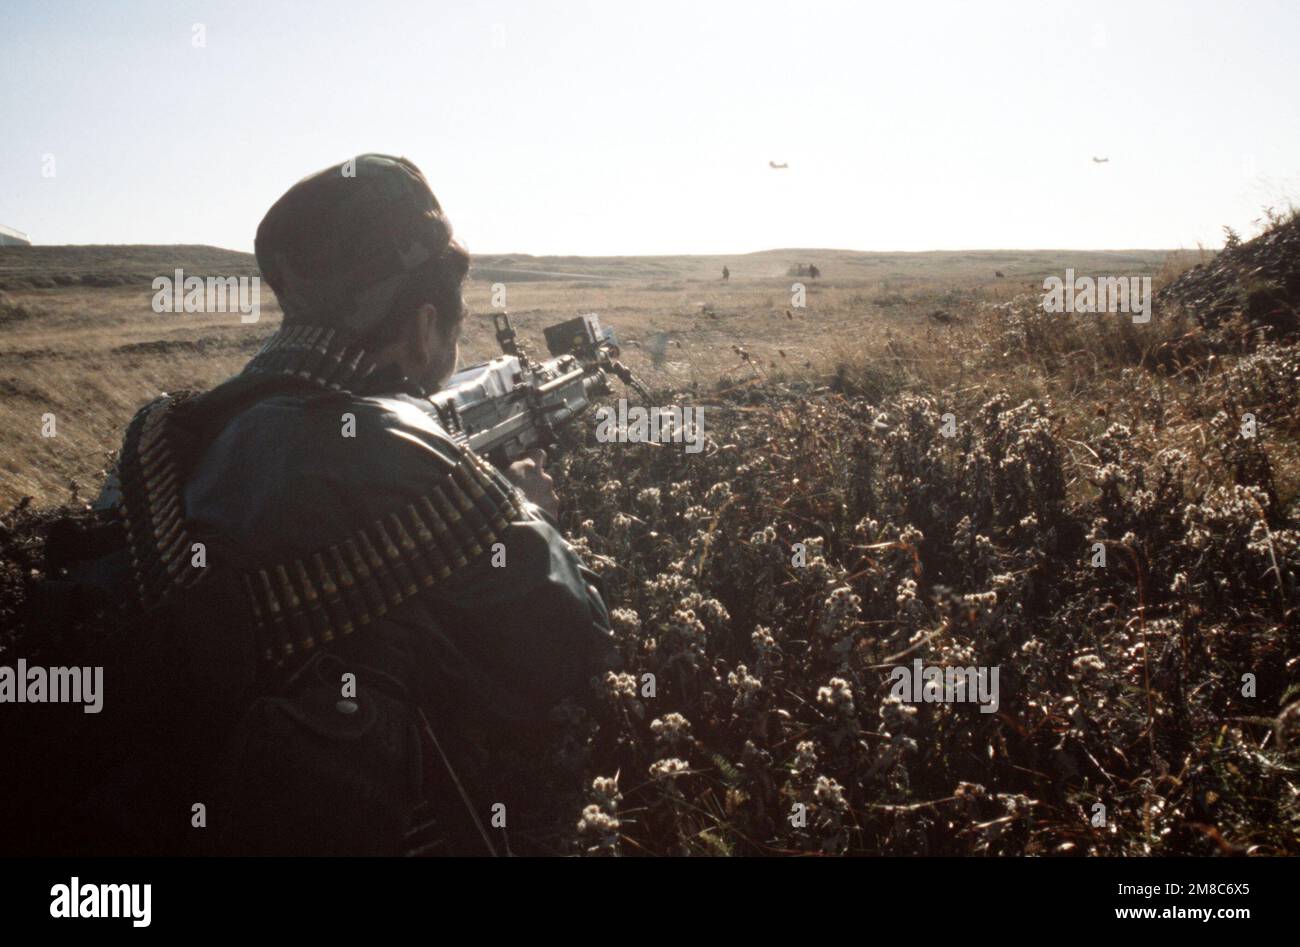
[{"x": 364, "y": 246}]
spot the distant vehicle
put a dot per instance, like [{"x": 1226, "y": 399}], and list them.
[
  {"x": 778, "y": 167},
  {"x": 13, "y": 238},
  {"x": 1096, "y": 160}
]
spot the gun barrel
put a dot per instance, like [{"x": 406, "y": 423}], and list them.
[{"x": 563, "y": 381}]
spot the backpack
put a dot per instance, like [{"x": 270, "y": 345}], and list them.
[
  {"x": 179, "y": 669},
  {"x": 164, "y": 712}
]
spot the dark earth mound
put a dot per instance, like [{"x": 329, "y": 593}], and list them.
[{"x": 1258, "y": 281}]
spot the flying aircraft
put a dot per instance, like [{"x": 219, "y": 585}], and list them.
[
  {"x": 778, "y": 167},
  {"x": 1096, "y": 160}
]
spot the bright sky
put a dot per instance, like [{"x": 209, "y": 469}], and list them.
[{"x": 616, "y": 127}]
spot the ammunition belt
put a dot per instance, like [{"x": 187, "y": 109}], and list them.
[
  {"x": 327, "y": 593},
  {"x": 152, "y": 476},
  {"x": 329, "y": 357}
]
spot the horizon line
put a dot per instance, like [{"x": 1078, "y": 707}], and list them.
[{"x": 611, "y": 256}]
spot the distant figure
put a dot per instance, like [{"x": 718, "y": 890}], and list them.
[
  {"x": 778, "y": 167},
  {"x": 657, "y": 347},
  {"x": 813, "y": 271},
  {"x": 1096, "y": 160},
  {"x": 726, "y": 274},
  {"x": 999, "y": 274}
]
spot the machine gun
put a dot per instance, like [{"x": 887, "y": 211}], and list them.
[{"x": 505, "y": 406}]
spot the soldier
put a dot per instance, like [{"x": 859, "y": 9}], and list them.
[
  {"x": 380, "y": 623},
  {"x": 726, "y": 274}
]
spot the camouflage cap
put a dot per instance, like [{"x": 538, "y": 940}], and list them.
[{"x": 338, "y": 246}]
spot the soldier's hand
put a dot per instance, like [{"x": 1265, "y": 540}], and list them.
[{"x": 530, "y": 476}]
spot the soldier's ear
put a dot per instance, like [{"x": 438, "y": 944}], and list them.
[
  {"x": 422, "y": 326},
  {"x": 446, "y": 332}
]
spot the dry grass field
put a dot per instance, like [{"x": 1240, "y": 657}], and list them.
[{"x": 92, "y": 354}]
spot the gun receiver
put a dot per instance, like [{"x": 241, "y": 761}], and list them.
[{"x": 509, "y": 404}]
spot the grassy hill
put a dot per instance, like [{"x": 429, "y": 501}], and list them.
[
  {"x": 78, "y": 336},
  {"x": 42, "y": 267},
  {"x": 49, "y": 267}
]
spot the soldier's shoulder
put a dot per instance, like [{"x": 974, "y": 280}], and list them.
[
  {"x": 372, "y": 454},
  {"x": 407, "y": 426},
  {"x": 383, "y": 437}
]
